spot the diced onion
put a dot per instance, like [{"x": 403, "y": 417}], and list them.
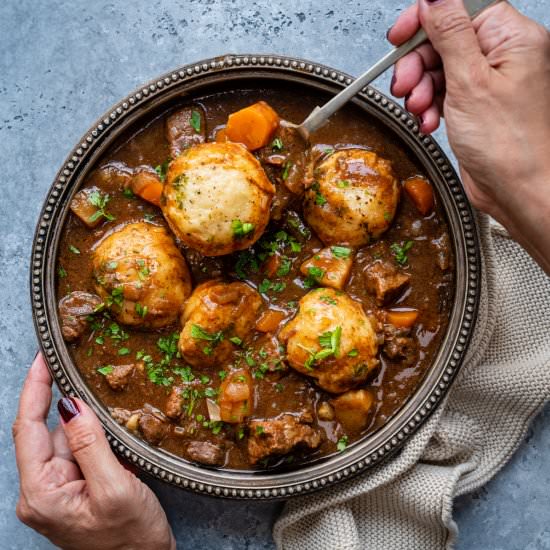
[{"x": 213, "y": 410}]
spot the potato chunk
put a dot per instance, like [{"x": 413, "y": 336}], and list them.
[
  {"x": 86, "y": 206},
  {"x": 330, "y": 267},
  {"x": 352, "y": 409}
]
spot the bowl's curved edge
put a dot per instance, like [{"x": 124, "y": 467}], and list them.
[{"x": 355, "y": 460}]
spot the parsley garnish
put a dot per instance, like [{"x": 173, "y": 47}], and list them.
[
  {"x": 341, "y": 252},
  {"x": 277, "y": 144},
  {"x": 327, "y": 300},
  {"x": 353, "y": 353},
  {"x": 196, "y": 121},
  {"x": 141, "y": 310},
  {"x": 107, "y": 369},
  {"x": 314, "y": 276},
  {"x": 319, "y": 199},
  {"x": 284, "y": 268},
  {"x": 330, "y": 346},
  {"x": 343, "y": 183},
  {"x": 73, "y": 249},
  {"x": 215, "y": 338},
  {"x": 342, "y": 443},
  {"x": 124, "y": 351},
  {"x": 61, "y": 272},
  {"x": 286, "y": 170},
  {"x": 241, "y": 229},
  {"x": 400, "y": 251},
  {"x": 266, "y": 285},
  {"x": 387, "y": 216},
  {"x": 116, "y": 297},
  {"x": 162, "y": 169},
  {"x": 128, "y": 193},
  {"x": 236, "y": 340},
  {"x": 99, "y": 200},
  {"x": 260, "y": 430}
]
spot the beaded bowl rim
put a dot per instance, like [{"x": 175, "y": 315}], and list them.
[{"x": 366, "y": 452}]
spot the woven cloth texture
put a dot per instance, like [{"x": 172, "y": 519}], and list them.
[{"x": 407, "y": 502}]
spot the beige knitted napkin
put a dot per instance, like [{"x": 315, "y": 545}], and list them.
[{"x": 407, "y": 503}]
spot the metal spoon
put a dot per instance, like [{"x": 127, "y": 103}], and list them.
[{"x": 320, "y": 115}]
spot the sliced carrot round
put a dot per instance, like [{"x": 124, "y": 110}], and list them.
[
  {"x": 252, "y": 126},
  {"x": 404, "y": 318}
]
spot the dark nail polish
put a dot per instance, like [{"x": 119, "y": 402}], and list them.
[
  {"x": 68, "y": 408},
  {"x": 35, "y": 356},
  {"x": 433, "y": 1},
  {"x": 388, "y": 33},
  {"x": 393, "y": 80}
]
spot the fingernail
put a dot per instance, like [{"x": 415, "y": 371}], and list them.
[
  {"x": 388, "y": 33},
  {"x": 393, "y": 81},
  {"x": 68, "y": 409},
  {"x": 420, "y": 120},
  {"x": 433, "y": 1}
]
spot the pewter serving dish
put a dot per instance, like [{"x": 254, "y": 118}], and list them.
[{"x": 373, "y": 448}]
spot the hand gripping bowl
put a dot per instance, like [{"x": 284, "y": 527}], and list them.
[{"x": 214, "y": 75}]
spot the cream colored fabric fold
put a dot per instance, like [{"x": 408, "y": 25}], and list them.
[{"x": 505, "y": 381}]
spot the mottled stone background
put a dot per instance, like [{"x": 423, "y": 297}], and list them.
[{"x": 62, "y": 64}]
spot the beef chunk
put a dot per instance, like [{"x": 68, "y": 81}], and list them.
[
  {"x": 174, "y": 403},
  {"x": 442, "y": 246},
  {"x": 120, "y": 415},
  {"x": 73, "y": 310},
  {"x": 180, "y": 132},
  {"x": 385, "y": 281},
  {"x": 118, "y": 379},
  {"x": 153, "y": 426},
  {"x": 399, "y": 345},
  {"x": 280, "y": 436},
  {"x": 206, "y": 452}
]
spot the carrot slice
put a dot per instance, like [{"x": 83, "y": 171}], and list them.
[
  {"x": 404, "y": 318},
  {"x": 421, "y": 193},
  {"x": 147, "y": 186},
  {"x": 269, "y": 320},
  {"x": 221, "y": 135},
  {"x": 252, "y": 126}
]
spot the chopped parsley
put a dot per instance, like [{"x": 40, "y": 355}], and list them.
[
  {"x": 267, "y": 285},
  {"x": 195, "y": 121},
  {"x": 327, "y": 300},
  {"x": 330, "y": 346},
  {"x": 141, "y": 310},
  {"x": 128, "y": 193},
  {"x": 73, "y": 249},
  {"x": 143, "y": 271},
  {"x": 107, "y": 369},
  {"x": 185, "y": 373},
  {"x": 277, "y": 144},
  {"x": 343, "y": 183},
  {"x": 319, "y": 198},
  {"x": 61, "y": 272},
  {"x": 353, "y": 353},
  {"x": 284, "y": 268},
  {"x": 124, "y": 351},
  {"x": 400, "y": 251},
  {"x": 240, "y": 432},
  {"x": 116, "y": 297},
  {"x": 314, "y": 276},
  {"x": 236, "y": 340},
  {"x": 111, "y": 266},
  {"x": 341, "y": 252},
  {"x": 215, "y": 338},
  {"x": 387, "y": 216},
  {"x": 246, "y": 261},
  {"x": 279, "y": 387},
  {"x": 286, "y": 170},
  {"x": 241, "y": 229},
  {"x": 162, "y": 169},
  {"x": 99, "y": 200},
  {"x": 260, "y": 430},
  {"x": 342, "y": 443},
  {"x": 222, "y": 374}
]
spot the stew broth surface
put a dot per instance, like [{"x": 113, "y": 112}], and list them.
[{"x": 105, "y": 342}]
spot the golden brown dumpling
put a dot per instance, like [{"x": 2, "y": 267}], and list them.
[
  {"x": 141, "y": 276},
  {"x": 217, "y": 198},
  {"x": 216, "y": 312},
  {"x": 332, "y": 340},
  {"x": 353, "y": 199}
]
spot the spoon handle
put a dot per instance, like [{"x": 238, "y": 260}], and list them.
[{"x": 320, "y": 115}]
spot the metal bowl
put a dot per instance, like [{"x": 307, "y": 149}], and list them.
[{"x": 235, "y": 70}]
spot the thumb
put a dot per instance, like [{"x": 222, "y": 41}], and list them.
[
  {"x": 452, "y": 35},
  {"x": 88, "y": 445}
]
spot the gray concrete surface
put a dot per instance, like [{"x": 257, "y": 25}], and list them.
[{"x": 62, "y": 64}]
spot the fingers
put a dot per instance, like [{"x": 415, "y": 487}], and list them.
[
  {"x": 452, "y": 35},
  {"x": 60, "y": 444},
  {"x": 422, "y": 96},
  {"x": 408, "y": 73},
  {"x": 89, "y": 446},
  {"x": 405, "y": 26},
  {"x": 33, "y": 444},
  {"x": 430, "y": 119}
]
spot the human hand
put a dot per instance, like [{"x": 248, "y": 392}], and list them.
[
  {"x": 490, "y": 78},
  {"x": 73, "y": 490}
]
